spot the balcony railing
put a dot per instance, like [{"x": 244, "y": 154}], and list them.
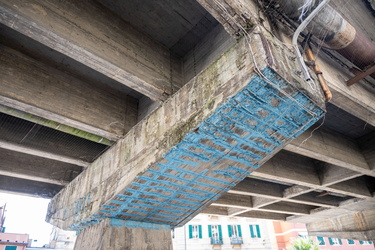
[
  {"x": 236, "y": 240},
  {"x": 216, "y": 241}
]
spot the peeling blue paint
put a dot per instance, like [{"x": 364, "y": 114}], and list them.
[
  {"x": 136, "y": 224},
  {"x": 222, "y": 151}
]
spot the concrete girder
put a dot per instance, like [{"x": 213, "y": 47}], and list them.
[
  {"x": 292, "y": 169},
  {"x": 30, "y": 167},
  {"x": 32, "y": 188},
  {"x": 31, "y": 86},
  {"x": 331, "y": 147},
  {"x": 123, "y": 182},
  {"x": 39, "y": 153},
  {"x": 125, "y": 54}
]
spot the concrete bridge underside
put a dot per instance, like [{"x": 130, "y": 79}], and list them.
[{"x": 134, "y": 116}]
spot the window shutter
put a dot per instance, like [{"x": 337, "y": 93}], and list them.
[
  {"x": 190, "y": 231},
  {"x": 258, "y": 231},
  {"x": 330, "y": 241},
  {"x": 252, "y": 234},
  {"x": 200, "y": 231},
  {"x": 230, "y": 230},
  {"x": 239, "y": 231},
  {"x": 209, "y": 231},
  {"x": 340, "y": 242},
  {"x": 321, "y": 240},
  {"x": 361, "y": 242},
  {"x": 220, "y": 232}
]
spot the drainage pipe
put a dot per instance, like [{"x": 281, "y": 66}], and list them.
[
  {"x": 330, "y": 27},
  {"x": 310, "y": 56}
]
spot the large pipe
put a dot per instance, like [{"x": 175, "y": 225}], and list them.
[{"x": 330, "y": 27}]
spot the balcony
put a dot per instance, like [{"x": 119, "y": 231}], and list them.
[
  {"x": 216, "y": 241},
  {"x": 236, "y": 240}
]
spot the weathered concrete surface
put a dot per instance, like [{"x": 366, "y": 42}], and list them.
[
  {"x": 357, "y": 225},
  {"x": 111, "y": 234},
  {"x": 207, "y": 137},
  {"x": 32, "y": 86},
  {"x": 95, "y": 37}
]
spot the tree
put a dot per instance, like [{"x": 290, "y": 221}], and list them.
[{"x": 301, "y": 243}]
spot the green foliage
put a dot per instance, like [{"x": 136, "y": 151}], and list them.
[{"x": 304, "y": 244}]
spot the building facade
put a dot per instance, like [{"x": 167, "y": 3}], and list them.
[
  {"x": 62, "y": 240},
  {"x": 284, "y": 232},
  {"x": 218, "y": 232},
  {"x": 12, "y": 241}
]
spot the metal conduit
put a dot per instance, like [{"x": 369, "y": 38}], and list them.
[{"x": 329, "y": 26}]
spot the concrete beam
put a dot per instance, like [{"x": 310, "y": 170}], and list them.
[
  {"x": 357, "y": 99},
  {"x": 30, "y": 151},
  {"x": 125, "y": 54},
  {"x": 289, "y": 168},
  {"x": 303, "y": 173},
  {"x": 264, "y": 215},
  {"x": 28, "y": 187},
  {"x": 255, "y": 187},
  {"x": 35, "y": 168},
  {"x": 328, "y": 146},
  {"x": 331, "y": 174},
  {"x": 362, "y": 223},
  {"x": 264, "y": 193},
  {"x": 233, "y": 15},
  {"x": 233, "y": 201},
  {"x": 288, "y": 208},
  {"x": 31, "y": 86},
  {"x": 367, "y": 145},
  {"x": 193, "y": 147}
]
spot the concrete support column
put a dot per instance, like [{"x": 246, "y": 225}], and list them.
[{"x": 117, "y": 234}]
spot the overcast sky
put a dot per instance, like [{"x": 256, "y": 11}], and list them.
[{"x": 27, "y": 215}]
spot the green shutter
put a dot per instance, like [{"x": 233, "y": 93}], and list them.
[
  {"x": 209, "y": 231},
  {"x": 361, "y": 242},
  {"x": 258, "y": 231},
  {"x": 11, "y": 248},
  {"x": 252, "y": 234},
  {"x": 330, "y": 241},
  {"x": 321, "y": 240},
  {"x": 220, "y": 232},
  {"x": 239, "y": 231},
  {"x": 230, "y": 230},
  {"x": 190, "y": 231},
  {"x": 351, "y": 242},
  {"x": 200, "y": 231},
  {"x": 340, "y": 242}
]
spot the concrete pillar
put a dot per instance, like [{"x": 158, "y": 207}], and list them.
[{"x": 117, "y": 234}]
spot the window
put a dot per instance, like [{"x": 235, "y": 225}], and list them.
[
  {"x": 255, "y": 231},
  {"x": 10, "y": 247},
  {"x": 234, "y": 231},
  {"x": 195, "y": 232},
  {"x": 321, "y": 241},
  {"x": 335, "y": 241},
  {"x": 365, "y": 242},
  {"x": 215, "y": 233},
  {"x": 350, "y": 242}
]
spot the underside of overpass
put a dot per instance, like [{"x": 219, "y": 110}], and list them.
[{"x": 138, "y": 115}]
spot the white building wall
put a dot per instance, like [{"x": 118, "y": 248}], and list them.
[{"x": 181, "y": 239}]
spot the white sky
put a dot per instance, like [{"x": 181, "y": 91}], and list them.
[{"x": 27, "y": 215}]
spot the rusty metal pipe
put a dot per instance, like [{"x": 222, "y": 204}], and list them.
[
  {"x": 310, "y": 56},
  {"x": 329, "y": 26}
]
